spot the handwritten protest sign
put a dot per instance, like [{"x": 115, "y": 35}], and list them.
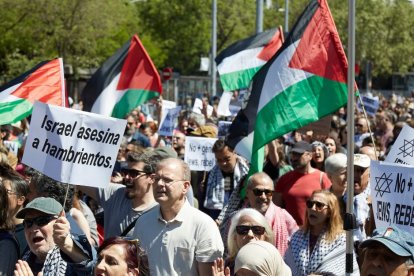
[
  {"x": 223, "y": 128},
  {"x": 371, "y": 104},
  {"x": 198, "y": 106},
  {"x": 198, "y": 154},
  {"x": 223, "y": 106},
  {"x": 168, "y": 124},
  {"x": 73, "y": 146},
  {"x": 403, "y": 149},
  {"x": 392, "y": 191},
  {"x": 12, "y": 146}
]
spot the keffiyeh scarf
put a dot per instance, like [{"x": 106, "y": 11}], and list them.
[
  {"x": 329, "y": 255},
  {"x": 215, "y": 184}
]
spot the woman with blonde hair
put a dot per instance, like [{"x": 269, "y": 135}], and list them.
[
  {"x": 246, "y": 225},
  {"x": 319, "y": 246}
]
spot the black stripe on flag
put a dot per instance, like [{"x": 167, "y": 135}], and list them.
[{"x": 104, "y": 76}]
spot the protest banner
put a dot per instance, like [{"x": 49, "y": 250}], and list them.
[
  {"x": 198, "y": 154},
  {"x": 73, "y": 146},
  {"x": 402, "y": 151},
  {"x": 12, "y": 146},
  {"x": 223, "y": 128},
  {"x": 198, "y": 106},
  {"x": 392, "y": 193},
  {"x": 371, "y": 104},
  {"x": 168, "y": 124},
  {"x": 223, "y": 106}
]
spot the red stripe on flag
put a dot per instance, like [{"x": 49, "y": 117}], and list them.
[
  {"x": 320, "y": 45},
  {"x": 44, "y": 84},
  {"x": 138, "y": 71},
  {"x": 273, "y": 46}
]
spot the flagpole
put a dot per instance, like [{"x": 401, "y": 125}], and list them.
[
  {"x": 214, "y": 49},
  {"x": 349, "y": 223},
  {"x": 259, "y": 16}
]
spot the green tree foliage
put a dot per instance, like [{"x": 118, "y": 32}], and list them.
[
  {"x": 83, "y": 32},
  {"x": 180, "y": 29},
  {"x": 177, "y": 33}
]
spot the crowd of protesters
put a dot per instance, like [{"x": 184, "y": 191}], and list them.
[{"x": 157, "y": 217}]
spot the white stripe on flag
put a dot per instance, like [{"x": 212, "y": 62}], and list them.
[
  {"x": 108, "y": 98},
  {"x": 5, "y": 95},
  {"x": 244, "y": 146},
  {"x": 245, "y": 59},
  {"x": 280, "y": 76}
]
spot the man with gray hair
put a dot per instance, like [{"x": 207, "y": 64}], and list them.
[{"x": 179, "y": 239}]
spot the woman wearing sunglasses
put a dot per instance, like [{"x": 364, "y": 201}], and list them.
[
  {"x": 116, "y": 255},
  {"x": 246, "y": 225},
  {"x": 319, "y": 246}
]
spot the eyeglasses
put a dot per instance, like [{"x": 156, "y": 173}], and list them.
[
  {"x": 11, "y": 192},
  {"x": 39, "y": 221},
  {"x": 244, "y": 229},
  {"x": 259, "y": 192},
  {"x": 164, "y": 180},
  {"x": 133, "y": 173},
  {"x": 319, "y": 205},
  {"x": 358, "y": 125}
]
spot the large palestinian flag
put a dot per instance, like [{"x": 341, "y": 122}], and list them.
[
  {"x": 126, "y": 80},
  {"x": 238, "y": 63},
  {"x": 303, "y": 82},
  {"x": 44, "y": 82}
]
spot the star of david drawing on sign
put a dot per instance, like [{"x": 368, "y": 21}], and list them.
[
  {"x": 382, "y": 181},
  {"x": 407, "y": 149}
]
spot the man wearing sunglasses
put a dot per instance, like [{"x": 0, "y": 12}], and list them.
[
  {"x": 39, "y": 218},
  {"x": 124, "y": 203},
  {"x": 259, "y": 194}
]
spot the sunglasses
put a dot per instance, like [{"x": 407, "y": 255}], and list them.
[
  {"x": 133, "y": 173},
  {"x": 244, "y": 229},
  {"x": 39, "y": 221},
  {"x": 258, "y": 192},
  {"x": 319, "y": 205}
]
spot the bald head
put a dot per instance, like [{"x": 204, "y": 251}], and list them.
[
  {"x": 368, "y": 151},
  {"x": 259, "y": 191}
]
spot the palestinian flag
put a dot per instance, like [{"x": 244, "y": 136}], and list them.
[
  {"x": 44, "y": 82},
  {"x": 239, "y": 62},
  {"x": 126, "y": 80},
  {"x": 303, "y": 82}
]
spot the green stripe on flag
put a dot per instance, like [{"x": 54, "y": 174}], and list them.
[
  {"x": 238, "y": 79},
  {"x": 298, "y": 106},
  {"x": 11, "y": 112},
  {"x": 131, "y": 99}
]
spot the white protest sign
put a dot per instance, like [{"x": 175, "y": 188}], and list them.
[
  {"x": 392, "y": 192},
  {"x": 234, "y": 109},
  {"x": 198, "y": 106},
  {"x": 13, "y": 146},
  {"x": 165, "y": 106},
  {"x": 371, "y": 104},
  {"x": 73, "y": 146},
  {"x": 223, "y": 106},
  {"x": 223, "y": 128},
  {"x": 168, "y": 124},
  {"x": 198, "y": 154},
  {"x": 403, "y": 149}
]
